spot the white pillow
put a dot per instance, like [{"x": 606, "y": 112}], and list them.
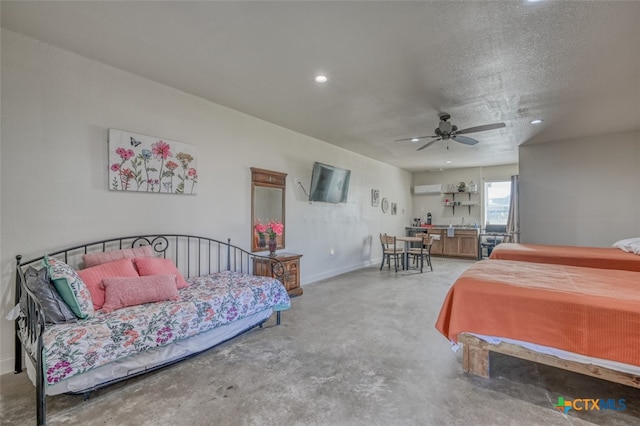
[{"x": 627, "y": 244}]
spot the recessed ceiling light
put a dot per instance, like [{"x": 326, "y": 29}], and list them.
[
  {"x": 415, "y": 140},
  {"x": 448, "y": 162},
  {"x": 321, "y": 79},
  {"x": 536, "y": 121}
]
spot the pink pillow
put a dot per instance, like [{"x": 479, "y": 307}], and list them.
[
  {"x": 98, "y": 258},
  {"x": 158, "y": 266},
  {"x": 121, "y": 292},
  {"x": 93, "y": 276}
]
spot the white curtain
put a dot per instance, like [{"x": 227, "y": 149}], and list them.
[{"x": 513, "y": 222}]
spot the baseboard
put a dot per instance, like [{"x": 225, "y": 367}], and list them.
[
  {"x": 7, "y": 365},
  {"x": 329, "y": 274}
]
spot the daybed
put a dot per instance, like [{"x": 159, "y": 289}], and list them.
[
  {"x": 591, "y": 257},
  {"x": 581, "y": 319},
  {"x": 113, "y": 333}
]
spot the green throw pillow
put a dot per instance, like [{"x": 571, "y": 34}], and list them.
[{"x": 70, "y": 287}]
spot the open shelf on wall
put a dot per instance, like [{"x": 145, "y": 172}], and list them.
[{"x": 453, "y": 203}]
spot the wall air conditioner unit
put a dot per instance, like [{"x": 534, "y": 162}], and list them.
[{"x": 427, "y": 189}]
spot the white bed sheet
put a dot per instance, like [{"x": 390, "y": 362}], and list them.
[{"x": 151, "y": 358}]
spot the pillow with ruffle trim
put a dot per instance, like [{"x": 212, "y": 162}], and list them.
[{"x": 70, "y": 287}]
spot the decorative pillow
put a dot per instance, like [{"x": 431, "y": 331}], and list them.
[
  {"x": 627, "y": 244},
  {"x": 70, "y": 287},
  {"x": 55, "y": 309},
  {"x": 121, "y": 292},
  {"x": 98, "y": 258},
  {"x": 158, "y": 266},
  {"x": 93, "y": 276}
]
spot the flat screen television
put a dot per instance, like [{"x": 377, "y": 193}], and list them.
[{"x": 329, "y": 184}]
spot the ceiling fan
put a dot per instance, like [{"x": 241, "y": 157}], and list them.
[{"x": 446, "y": 131}]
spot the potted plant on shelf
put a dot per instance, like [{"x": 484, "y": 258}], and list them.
[{"x": 462, "y": 186}]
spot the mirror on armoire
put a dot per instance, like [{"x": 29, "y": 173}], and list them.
[{"x": 267, "y": 208}]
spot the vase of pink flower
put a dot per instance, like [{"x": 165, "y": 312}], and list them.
[
  {"x": 273, "y": 245},
  {"x": 271, "y": 231}
]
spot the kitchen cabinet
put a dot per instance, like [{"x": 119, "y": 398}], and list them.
[
  {"x": 436, "y": 245},
  {"x": 464, "y": 242},
  {"x": 469, "y": 245}
]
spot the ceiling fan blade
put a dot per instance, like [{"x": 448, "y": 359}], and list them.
[
  {"x": 428, "y": 144},
  {"x": 481, "y": 128},
  {"x": 411, "y": 139},
  {"x": 464, "y": 139}
]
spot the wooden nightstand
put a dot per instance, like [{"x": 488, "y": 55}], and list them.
[{"x": 291, "y": 276}]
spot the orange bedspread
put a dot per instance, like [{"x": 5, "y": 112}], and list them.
[
  {"x": 590, "y": 257},
  {"x": 589, "y": 311}
]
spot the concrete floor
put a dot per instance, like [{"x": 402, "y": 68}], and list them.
[{"x": 358, "y": 349}]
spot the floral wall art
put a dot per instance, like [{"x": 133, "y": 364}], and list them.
[{"x": 142, "y": 163}]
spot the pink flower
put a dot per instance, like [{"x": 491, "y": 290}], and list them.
[
  {"x": 161, "y": 149},
  {"x": 193, "y": 173},
  {"x": 260, "y": 228},
  {"x": 125, "y": 154},
  {"x": 171, "y": 165},
  {"x": 273, "y": 229},
  {"x": 115, "y": 167},
  {"x": 133, "y": 336},
  {"x": 127, "y": 173},
  {"x": 276, "y": 227}
]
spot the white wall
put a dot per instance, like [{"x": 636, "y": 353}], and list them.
[
  {"x": 581, "y": 192},
  {"x": 441, "y": 215},
  {"x": 57, "y": 108}
]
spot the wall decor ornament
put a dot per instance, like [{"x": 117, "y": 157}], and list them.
[
  {"x": 394, "y": 208},
  {"x": 140, "y": 163},
  {"x": 375, "y": 197},
  {"x": 385, "y": 205}
]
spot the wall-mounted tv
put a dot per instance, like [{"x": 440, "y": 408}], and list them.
[{"x": 329, "y": 184}]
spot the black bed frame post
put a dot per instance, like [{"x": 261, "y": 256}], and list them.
[
  {"x": 41, "y": 397},
  {"x": 41, "y": 402},
  {"x": 18, "y": 344},
  {"x": 228, "y": 254}
]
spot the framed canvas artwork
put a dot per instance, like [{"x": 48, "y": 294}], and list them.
[{"x": 141, "y": 163}]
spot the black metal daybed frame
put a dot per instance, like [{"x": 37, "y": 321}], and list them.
[{"x": 193, "y": 255}]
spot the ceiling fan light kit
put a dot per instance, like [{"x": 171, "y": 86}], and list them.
[{"x": 446, "y": 131}]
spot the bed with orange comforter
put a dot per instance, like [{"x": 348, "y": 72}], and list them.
[
  {"x": 590, "y": 257},
  {"x": 587, "y": 311}
]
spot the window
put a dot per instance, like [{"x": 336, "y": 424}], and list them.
[{"x": 497, "y": 196}]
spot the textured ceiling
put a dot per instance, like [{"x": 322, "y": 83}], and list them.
[{"x": 392, "y": 66}]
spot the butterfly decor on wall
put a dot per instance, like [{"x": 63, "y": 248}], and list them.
[{"x": 142, "y": 163}]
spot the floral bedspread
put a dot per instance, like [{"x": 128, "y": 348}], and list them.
[{"x": 209, "y": 302}]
